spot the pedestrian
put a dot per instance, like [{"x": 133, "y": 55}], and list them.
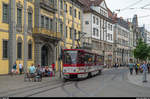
[
  {"x": 148, "y": 67},
  {"x": 20, "y": 68},
  {"x": 136, "y": 69},
  {"x": 39, "y": 72},
  {"x": 53, "y": 68},
  {"x": 14, "y": 69},
  {"x": 32, "y": 71},
  {"x": 144, "y": 67},
  {"x": 131, "y": 65},
  {"x": 117, "y": 65}
]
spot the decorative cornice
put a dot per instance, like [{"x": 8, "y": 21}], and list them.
[
  {"x": 19, "y": 5},
  {"x": 30, "y": 9}
]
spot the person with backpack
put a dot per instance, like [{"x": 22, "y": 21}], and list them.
[{"x": 131, "y": 65}]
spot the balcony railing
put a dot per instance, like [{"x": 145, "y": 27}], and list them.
[
  {"x": 47, "y": 3},
  {"x": 47, "y": 32}
]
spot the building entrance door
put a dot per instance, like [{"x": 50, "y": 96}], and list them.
[{"x": 44, "y": 56}]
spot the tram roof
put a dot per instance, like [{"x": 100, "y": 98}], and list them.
[{"x": 83, "y": 50}]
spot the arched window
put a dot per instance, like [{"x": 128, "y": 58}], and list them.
[
  {"x": 30, "y": 49},
  {"x": 19, "y": 48}
]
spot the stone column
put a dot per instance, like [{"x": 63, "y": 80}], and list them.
[
  {"x": 37, "y": 52},
  {"x": 12, "y": 33},
  {"x": 25, "y": 37}
]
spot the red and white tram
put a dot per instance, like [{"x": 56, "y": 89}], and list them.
[{"x": 78, "y": 63}]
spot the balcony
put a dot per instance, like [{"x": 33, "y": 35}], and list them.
[
  {"x": 48, "y": 33},
  {"x": 46, "y": 4}
]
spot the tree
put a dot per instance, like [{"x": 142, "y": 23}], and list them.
[{"x": 142, "y": 51}]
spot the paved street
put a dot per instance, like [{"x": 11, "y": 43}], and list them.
[{"x": 112, "y": 83}]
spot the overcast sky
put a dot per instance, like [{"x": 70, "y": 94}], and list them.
[{"x": 143, "y": 14}]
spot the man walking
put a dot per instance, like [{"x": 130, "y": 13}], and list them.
[
  {"x": 131, "y": 65},
  {"x": 144, "y": 67},
  {"x": 20, "y": 68}
]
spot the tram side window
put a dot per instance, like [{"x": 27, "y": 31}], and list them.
[
  {"x": 80, "y": 58},
  {"x": 70, "y": 57},
  {"x": 89, "y": 58},
  {"x": 67, "y": 59},
  {"x": 100, "y": 60}
]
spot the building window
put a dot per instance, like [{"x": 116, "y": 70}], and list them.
[
  {"x": 5, "y": 13},
  {"x": 30, "y": 1},
  {"x": 19, "y": 50},
  {"x": 51, "y": 24},
  {"x": 87, "y": 22},
  {"x": 93, "y": 31},
  {"x": 19, "y": 16},
  {"x": 70, "y": 33},
  {"x": 79, "y": 15},
  {"x": 61, "y": 4},
  {"x": 5, "y": 49},
  {"x": 66, "y": 31},
  {"x": 30, "y": 51},
  {"x": 29, "y": 20},
  {"x": 97, "y": 32},
  {"x": 61, "y": 28},
  {"x": 75, "y": 34},
  {"x": 75, "y": 13},
  {"x": 42, "y": 21},
  {"x": 47, "y": 23},
  {"x": 66, "y": 7},
  {"x": 79, "y": 35},
  {"x": 97, "y": 21},
  {"x": 93, "y": 19},
  {"x": 70, "y": 10},
  {"x": 111, "y": 27}
]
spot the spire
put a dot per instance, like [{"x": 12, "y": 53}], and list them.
[{"x": 135, "y": 20}]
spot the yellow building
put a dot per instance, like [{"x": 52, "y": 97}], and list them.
[
  {"x": 35, "y": 31},
  {"x": 12, "y": 33},
  {"x": 69, "y": 24},
  {"x": 69, "y": 13}
]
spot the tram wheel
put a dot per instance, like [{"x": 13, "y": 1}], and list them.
[
  {"x": 89, "y": 75},
  {"x": 100, "y": 72}
]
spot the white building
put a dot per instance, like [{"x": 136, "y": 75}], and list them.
[
  {"x": 148, "y": 38},
  {"x": 99, "y": 28}
]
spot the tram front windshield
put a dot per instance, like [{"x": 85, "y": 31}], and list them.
[{"x": 70, "y": 57}]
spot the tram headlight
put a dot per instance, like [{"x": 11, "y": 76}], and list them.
[{"x": 77, "y": 70}]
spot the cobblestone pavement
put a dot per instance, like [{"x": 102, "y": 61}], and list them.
[
  {"x": 8, "y": 83},
  {"x": 138, "y": 79}
]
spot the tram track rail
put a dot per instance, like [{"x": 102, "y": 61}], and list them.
[
  {"x": 32, "y": 91},
  {"x": 31, "y": 86},
  {"x": 28, "y": 88}
]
